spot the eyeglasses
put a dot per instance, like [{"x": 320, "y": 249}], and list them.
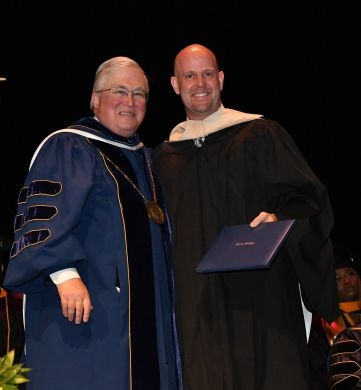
[{"x": 137, "y": 94}]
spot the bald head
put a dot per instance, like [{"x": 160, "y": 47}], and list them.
[
  {"x": 194, "y": 52},
  {"x": 198, "y": 80}
]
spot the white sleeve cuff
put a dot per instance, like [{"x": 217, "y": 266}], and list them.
[{"x": 64, "y": 275}]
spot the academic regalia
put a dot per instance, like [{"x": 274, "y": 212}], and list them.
[
  {"x": 322, "y": 337},
  {"x": 245, "y": 330},
  {"x": 323, "y": 334},
  {"x": 78, "y": 210},
  {"x": 344, "y": 360}
]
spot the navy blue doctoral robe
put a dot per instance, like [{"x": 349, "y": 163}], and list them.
[{"x": 77, "y": 211}]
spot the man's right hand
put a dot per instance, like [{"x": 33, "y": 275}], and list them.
[{"x": 75, "y": 300}]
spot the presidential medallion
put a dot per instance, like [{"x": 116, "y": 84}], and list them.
[{"x": 155, "y": 212}]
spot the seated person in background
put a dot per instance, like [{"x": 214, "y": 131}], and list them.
[
  {"x": 323, "y": 334},
  {"x": 344, "y": 364}
]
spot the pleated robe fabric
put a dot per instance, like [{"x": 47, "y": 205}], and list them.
[
  {"x": 344, "y": 363},
  {"x": 245, "y": 330}
]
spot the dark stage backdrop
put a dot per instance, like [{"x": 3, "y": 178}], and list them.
[{"x": 296, "y": 62}]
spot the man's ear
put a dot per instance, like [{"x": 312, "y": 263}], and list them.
[
  {"x": 221, "y": 79},
  {"x": 94, "y": 100},
  {"x": 174, "y": 82}
]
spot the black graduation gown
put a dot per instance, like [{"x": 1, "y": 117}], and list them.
[{"x": 245, "y": 330}]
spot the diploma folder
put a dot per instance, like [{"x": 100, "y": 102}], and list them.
[{"x": 241, "y": 247}]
